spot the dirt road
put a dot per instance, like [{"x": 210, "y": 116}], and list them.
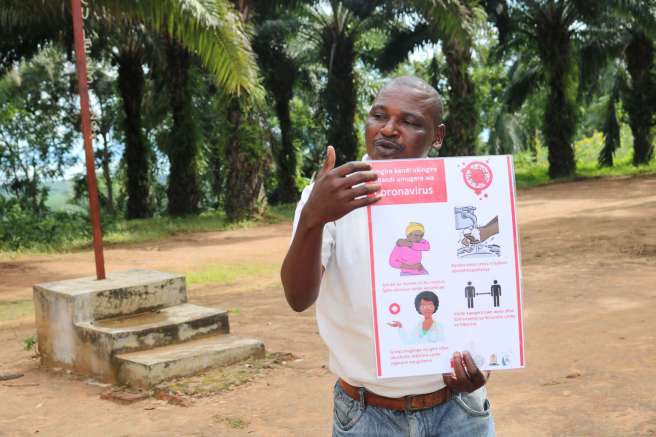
[{"x": 589, "y": 265}]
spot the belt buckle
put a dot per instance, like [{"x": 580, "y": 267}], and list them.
[{"x": 408, "y": 404}]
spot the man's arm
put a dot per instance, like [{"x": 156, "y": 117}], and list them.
[{"x": 336, "y": 192}]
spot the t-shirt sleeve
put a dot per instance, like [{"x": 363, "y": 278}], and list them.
[{"x": 328, "y": 236}]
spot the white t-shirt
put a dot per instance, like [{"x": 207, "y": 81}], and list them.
[{"x": 344, "y": 308}]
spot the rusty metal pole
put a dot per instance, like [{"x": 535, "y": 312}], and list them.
[{"x": 94, "y": 207}]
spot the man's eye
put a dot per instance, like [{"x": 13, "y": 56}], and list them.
[
  {"x": 412, "y": 122},
  {"x": 378, "y": 115}
]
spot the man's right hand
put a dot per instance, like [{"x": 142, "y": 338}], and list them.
[{"x": 338, "y": 191}]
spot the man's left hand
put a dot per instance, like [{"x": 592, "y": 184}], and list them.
[{"x": 466, "y": 376}]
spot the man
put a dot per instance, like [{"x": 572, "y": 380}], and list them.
[
  {"x": 328, "y": 262},
  {"x": 495, "y": 289},
  {"x": 470, "y": 293}
]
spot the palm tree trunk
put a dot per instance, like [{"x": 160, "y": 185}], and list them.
[
  {"x": 638, "y": 101},
  {"x": 559, "y": 125},
  {"x": 559, "y": 129},
  {"x": 244, "y": 195},
  {"x": 339, "y": 98},
  {"x": 107, "y": 174},
  {"x": 462, "y": 121},
  {"x": 131, "y": 86},
  {"x": 287, "y": 156},
  {"x": 183, "y": 191}
]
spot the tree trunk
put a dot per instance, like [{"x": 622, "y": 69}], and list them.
[
  {"x": 462, "y": 121},
  {"x": 244, "y": 195},
  {"x": 287, "y": 156},
  {"x": 131, "y": 86},
  {"x": 559, "y": 124},
  {"x": 183, "y": 191},
  {"x": 640, "y": 96},
  {"x": 107, "y": 175},
  {"x": 280, "y": 73},
  {"x": 559, "y": 129},
  {"x": 340, "y": 99}
]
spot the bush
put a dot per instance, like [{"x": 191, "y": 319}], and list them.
[{"x": 22, "y": 229}]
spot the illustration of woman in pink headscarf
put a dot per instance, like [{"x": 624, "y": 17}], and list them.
[{"x": 406, "y": 254}]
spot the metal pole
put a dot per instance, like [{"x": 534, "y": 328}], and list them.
[{"x": 94, "y": 208}]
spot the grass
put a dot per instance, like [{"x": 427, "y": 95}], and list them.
[
  {"x": 530, "y": 171},
  {"x": 14, "y": 310},
  {"x": 229, "y": 273}
]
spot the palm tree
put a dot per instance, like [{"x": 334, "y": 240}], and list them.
[
  {"x": 640, "y": 93},
  {"x": 280, "y": 70},
  {"x": 549, "y": 41},
  {"x": 335, "y": 36},
  {"x": 451, "y": 23},
  {"x": 210, "y": 29},
  {"x": 624, "y": 42}
]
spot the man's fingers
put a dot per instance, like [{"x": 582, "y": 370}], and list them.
[
  {"x": 363, "y": 201},
  {"x": 475, "y": 375},
  {"x": 329, "y": 162},
  {"x": 450, "y": 381},
  {"x": 352, "y": 167},
  {"x": 358, "y": 178},
  {"x": 363, "y": 190},
  {"x": 458, "y": 368}
]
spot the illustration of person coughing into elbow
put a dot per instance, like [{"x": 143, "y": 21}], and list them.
[
  {"x": 406, "y": 254},
  {"x": 428, "y": 330}
]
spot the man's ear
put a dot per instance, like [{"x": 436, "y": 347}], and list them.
[{"x": 438, "y": 136}]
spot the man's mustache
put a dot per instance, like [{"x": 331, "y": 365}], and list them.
[{"x": 387, "y": 143}]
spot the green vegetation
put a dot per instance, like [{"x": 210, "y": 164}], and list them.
[
  {"x": 67, "y": 231},
  {"x": 228, "y": 273},
  {"x": 29, "y": 342},
  {"x": 532, "y": 170},
  {"x": 208, "y": 112}
]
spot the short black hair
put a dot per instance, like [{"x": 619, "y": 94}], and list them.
[
  {"x": 430, "y": 94},
  {"x": 427, "y": 295}
]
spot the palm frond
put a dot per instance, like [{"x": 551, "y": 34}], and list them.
[
  {"x": 522, "y": 83},
  {"x": 211, "y": 29},
  {"x": 452, "y": 19},
  {"x": 401, "y": 43},
  {"x": 611, "y": 128},
  {"x": 600, "y": 49}
]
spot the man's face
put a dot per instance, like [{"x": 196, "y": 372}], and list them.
[
  {"x": 426, "y": 308},
  {"x": 401, "y": 124}
]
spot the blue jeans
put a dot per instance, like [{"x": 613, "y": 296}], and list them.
[{"x": 465, "y": 415}]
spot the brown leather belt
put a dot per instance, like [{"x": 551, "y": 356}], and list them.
[{"x": 406, "y": 403}]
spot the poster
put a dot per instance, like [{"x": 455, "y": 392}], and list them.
[{"x": 445, "y": 265}]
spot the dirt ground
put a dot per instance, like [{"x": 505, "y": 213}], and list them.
[{"x": 589, "y": 266}]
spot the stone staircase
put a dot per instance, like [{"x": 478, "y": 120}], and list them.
[{"x": 133, "y": 328}]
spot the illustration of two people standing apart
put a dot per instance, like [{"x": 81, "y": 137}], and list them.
[
  {"x": 407, "y": 252},
  {"x": 495, "y": 292}
]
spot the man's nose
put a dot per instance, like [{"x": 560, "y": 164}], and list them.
[{"x": 390, "y": 129}]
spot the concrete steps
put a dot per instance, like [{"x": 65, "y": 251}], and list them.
[
  {"x": 134, "y": 327},
  {"x": 147, "y": 368},
  {"x": 154, "y": 328}
]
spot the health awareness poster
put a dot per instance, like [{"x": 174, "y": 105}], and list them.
[{"x": 445, "y": 265}]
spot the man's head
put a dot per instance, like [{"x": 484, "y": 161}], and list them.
[
  {"x": 405, "y": 120},
  {"x": 426, "y": 303}
]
